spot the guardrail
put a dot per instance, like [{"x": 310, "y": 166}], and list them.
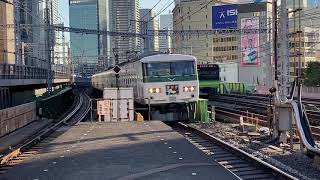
[{"x": 13, "y": 71}]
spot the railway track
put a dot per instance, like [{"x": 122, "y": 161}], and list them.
[
  {"x": 233, "y": 115},
  {"x": 31, "y": 145},
  {"x": 239, "y": 162},
  {"x": 259, "y": 105}
]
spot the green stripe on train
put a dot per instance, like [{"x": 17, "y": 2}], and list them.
[
  {"x": 170, "y": 78},
  {"x": 209, "y": 83}
]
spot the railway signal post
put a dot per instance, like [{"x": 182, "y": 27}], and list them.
[{"x": 117, "y": 69}]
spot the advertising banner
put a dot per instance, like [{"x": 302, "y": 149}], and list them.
[
  {"x": 225, "y": 16},
  {"x": 250, "y": 41}
]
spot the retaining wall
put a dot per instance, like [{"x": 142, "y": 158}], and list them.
[{"x": 16, "y": 117}]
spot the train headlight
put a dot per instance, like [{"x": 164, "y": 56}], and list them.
[
  {"x": 154, "y": 90},
  {"x": 188, "y": 88}
]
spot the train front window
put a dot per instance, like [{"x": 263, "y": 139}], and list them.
[
  {"x": 158, "y": 69},
  {"x": 181, "y": 68},
  {"x": 208, "y": 73}
]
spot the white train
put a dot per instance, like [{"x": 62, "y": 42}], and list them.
[{"x": 169, "y": 82}]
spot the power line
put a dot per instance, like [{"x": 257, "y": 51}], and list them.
[
  {"x": 150, "y": 9},
  {"x": 161, "y": 11}
]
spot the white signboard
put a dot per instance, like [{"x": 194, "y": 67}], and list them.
[{"x": 109, "y": 106}]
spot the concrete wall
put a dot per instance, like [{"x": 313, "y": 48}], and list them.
[{"x": 16, "y": 117}]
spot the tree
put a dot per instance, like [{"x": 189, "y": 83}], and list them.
[{"x": 312, "y": 74}]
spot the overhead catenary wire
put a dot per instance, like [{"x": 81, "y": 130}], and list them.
[{"x": 150, "y": 10}]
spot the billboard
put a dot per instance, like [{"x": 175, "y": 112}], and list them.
[
  {"x": 225, "y": 16},
  {"x": 250, "y": 41}
]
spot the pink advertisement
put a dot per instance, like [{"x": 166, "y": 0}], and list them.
[{"x": 250, "y": 41}]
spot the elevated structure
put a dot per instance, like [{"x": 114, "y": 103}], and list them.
[{"x": 28, "y": 64}]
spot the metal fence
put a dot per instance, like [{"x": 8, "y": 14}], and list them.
[{"x": 13, "y": 71}]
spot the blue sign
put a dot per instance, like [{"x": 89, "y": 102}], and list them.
[{"x": 225, "y": 16}]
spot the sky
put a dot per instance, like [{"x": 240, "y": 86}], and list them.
[{"x": 163, "y": 3}]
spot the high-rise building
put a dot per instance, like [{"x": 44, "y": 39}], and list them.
[
  {"x": 33, "y": 37},
  {"x": 7, "y": 46},
  {"x": 165, "y": 41},
  {"x": 125, "y": 18},
  {"x": 150, "y": 24},
  {"x": 90, "y": 51},
  {"x": 207, "y": 48},
  {"x": 59, "y": 43},
  {"x": 310, "y": 38},
  {"x": 303, "y": 3}
]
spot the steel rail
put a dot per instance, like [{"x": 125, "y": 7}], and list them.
[
  {"x": 39, "y": 136},
  {"x": 262, "y": 165}
]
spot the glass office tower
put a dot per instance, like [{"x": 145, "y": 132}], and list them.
[{"x": 90, "y": 52}]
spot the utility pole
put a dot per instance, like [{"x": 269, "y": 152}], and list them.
[
  {"x": 275, "y": 38},
  {"x": 283, "y": 64},
  {"x": 282, "y": 109},
  {"x": 275, "y": 122},
  {"x": 299, "y": 32},
  {"x": 48, "y": 46}
]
